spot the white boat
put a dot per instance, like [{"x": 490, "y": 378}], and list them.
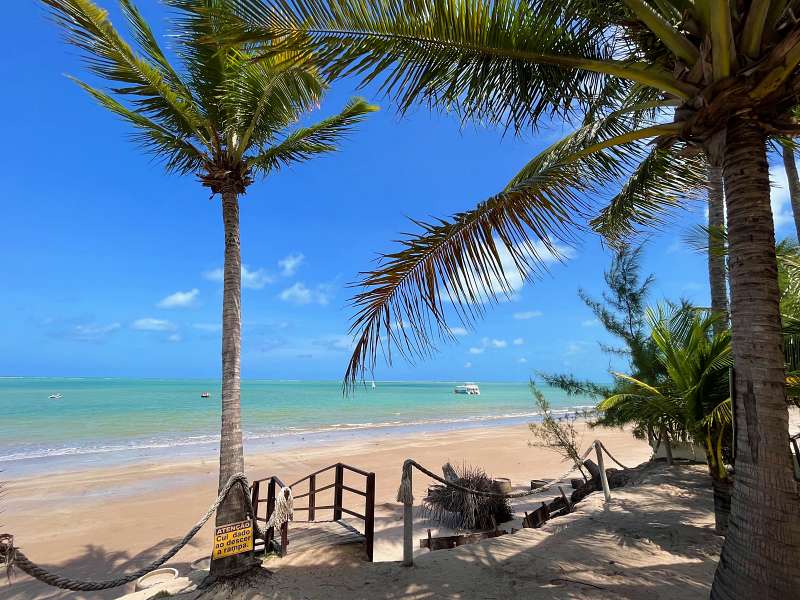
[
  {"x": 468, "y": 388},
  {"x": 205, "y": 395},
  {"x": 55, "y": 396},
  {"x": 373, "y": 385}
]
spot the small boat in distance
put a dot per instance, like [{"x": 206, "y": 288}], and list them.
[
  {"x": 373, "y": 384},
  {"x": 205, "y": 395},
  {"x": 468, "y": 388},
  {"x": 55, "y": 396}
]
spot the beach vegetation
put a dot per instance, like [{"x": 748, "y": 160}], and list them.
[
  {"x": 221, "y": 116},
  {"x": 558, "y": 434},
  {"x": 722, "y": 79},
  {"x": 691, "y": 401}
]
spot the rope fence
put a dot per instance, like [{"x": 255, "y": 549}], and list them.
[
  {"x": 406, "y": 496},
  {"x": 14, "y": 557}
]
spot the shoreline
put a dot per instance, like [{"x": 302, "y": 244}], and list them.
[{"x": 78, "y": 459}]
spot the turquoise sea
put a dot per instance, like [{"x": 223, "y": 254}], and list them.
[{"x": 101, "y": 422}]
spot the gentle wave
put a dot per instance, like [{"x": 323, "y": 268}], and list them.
[{"x": 201, "y": 440}]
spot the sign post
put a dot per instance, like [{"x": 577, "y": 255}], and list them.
[{"x": 234, "y": 538}]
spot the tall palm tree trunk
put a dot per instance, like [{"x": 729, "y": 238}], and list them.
[
  {"x": 794, "y": 184},
  {"x": 717, "y": 276},
  {"x": 231, "y": 459},
  {"x": 760, "y": 556}
]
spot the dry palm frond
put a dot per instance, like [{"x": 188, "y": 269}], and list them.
[{"x": 457, "y": 509}]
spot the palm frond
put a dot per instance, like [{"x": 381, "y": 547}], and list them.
[
  {"x": 307, "y": 142},
  {"x": 465, "y": 262},
  {"x": 503, "y": 61},
  {"x": 179, "y": 154},
  {"x": 153, "y": 88},
  {"x": 661, "y": 182}
]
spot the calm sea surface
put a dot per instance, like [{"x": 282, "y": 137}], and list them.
[{"x": 101, "y": 422}]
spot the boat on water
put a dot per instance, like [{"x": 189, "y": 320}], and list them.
[
  {"x": 205, "y": 395},
  {"x": 373, "y": 385},
  {"x": 471, "y": 389},
  {"x": 55, "y": 396}
]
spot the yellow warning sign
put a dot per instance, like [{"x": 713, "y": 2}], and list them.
[{"x": 234, "y": 538}]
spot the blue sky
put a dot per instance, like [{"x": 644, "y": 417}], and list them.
[{"x": 110, "y": 265}]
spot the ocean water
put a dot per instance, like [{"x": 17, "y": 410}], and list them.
[{"x": 102, "y": 422}]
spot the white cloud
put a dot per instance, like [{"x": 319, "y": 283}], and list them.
[
  {"x": 151, "y": 324},
  {"x": 290, "y": 264},
  {"x": 179, "y": 299},
  {"x": 212, "y": 327},
  {"x": 476, "y": 350},
  {"x": 498, "y": 343},
  {"x": 458, "y": 331},
  {"x": 590, "y": 323},
  {"x": 780, "y": 200},
  {"x": 255, "y": 280},
  {"x": 300, "y": 294},
  {"x": 91, "y": 332},
  {"x": 574, "y": 348},
  {"x": 467, "y": 365},
  {"x": 518, "y": 341},
  {"x": 522, "y": 360},
  {"x": 175, "y": 337},
  {"x": 530, "y": 314},
  {"x": 676, "y": 246},
  {"x": 538, "y": 253}
]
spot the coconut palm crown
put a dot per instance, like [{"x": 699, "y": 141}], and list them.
[
  {"x": 221, "y": 116},
  {"x": 723, "y": 79}
]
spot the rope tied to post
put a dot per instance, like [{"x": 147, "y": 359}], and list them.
[
  {"x": 404, "y": 494},
  {"x": 12, "y": 557}
]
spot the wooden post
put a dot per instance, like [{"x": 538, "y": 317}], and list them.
[
  {"x": 408, "y": 529},
  {"x": 603, "y": 477},
  {"x": 284, "y": 539},
  {"x": 270, "y": 509},
  {"x": 337, "y": 496},
  {"x": 254, "y": 498},
  {"x": 369, "y": 513},
  {"x": 312, "y": 487}
]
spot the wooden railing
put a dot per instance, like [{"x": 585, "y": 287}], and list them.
[
  {"x": 312, "y": 507},
  {"x": 272, "y": 483}
]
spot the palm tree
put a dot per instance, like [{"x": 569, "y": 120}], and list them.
[
  {"x": 223, "y": 117},
  {"x": 723, "y": 73},
  {"x": 691, "y": 401}
]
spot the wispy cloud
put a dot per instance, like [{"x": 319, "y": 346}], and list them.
[
  {"x": 518, "y": 341},
  {"x": 151, "y": 324},
  {"x": 458, "y": 331},
  {"x": 180, "y": 299},
  {"x": 175, "y": 337},
  {"x": 522, "y": 360},
  {"x": 590, "y": 323},
  {"x": 539, "y": 252},
  {"x": 210, "y": 327},
  {"x": 290, "y": 264},
  {"x": 467, "y": 365},
  {"x": 299, "y": 293},
  {"x": 498, "y": 343},
  {"x": 83, "y": 332},
  {"x": 578, "y": 347},
  {"x": 477, "y": 350},
  {"x": 252, "y": 279},
  {"x": 529, "y": 314}
]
